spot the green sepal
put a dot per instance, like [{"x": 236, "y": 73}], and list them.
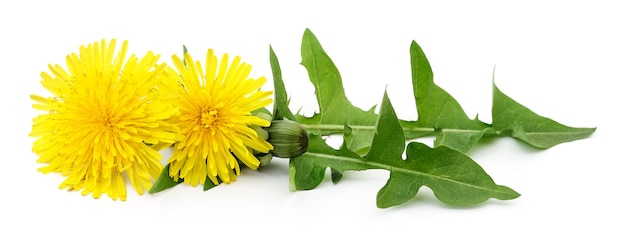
[
  {"x": 262, "y": 110},
  {"x": 208, "y": 184},
  {"x": 164, "y": 181}
]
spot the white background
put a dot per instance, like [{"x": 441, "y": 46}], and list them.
[{"x": 564, "y": 60}]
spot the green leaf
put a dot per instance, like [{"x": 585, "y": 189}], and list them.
[
  {"x": 527, "y": 126},
  {"x": 164, "y": 181},
  {"x": 359, "y": 143},
  {"x": 378, "y": 141},
  {"x": 453, "y": 176},
  {"x": 307, "y": 170},
  {"x": 437, "y": 109},
  {"x": 208, "y": 184},
  {"x": 335, "y": 175},
  {"x": 335, "y": 108},
  {"x": 461, "y": 139},
  {"x": 281, "y": 100}
]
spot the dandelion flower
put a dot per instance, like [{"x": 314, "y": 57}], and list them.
[
  {"x": 104, "y": 115},
  {"x": 216, "y": 105}
]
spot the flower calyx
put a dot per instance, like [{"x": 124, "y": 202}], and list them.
[{"x": 289, "y": 138}]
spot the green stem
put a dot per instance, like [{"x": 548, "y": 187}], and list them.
[
  {"x": 335, "y": 128},
  {"x": 339, "y": 128}
]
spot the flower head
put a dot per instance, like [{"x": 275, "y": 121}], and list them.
[
  {"x": 103, "y": 117},
  {"x": 216, "y": 105}
]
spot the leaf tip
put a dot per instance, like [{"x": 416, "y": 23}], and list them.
[{"x": 507, "y": 193}]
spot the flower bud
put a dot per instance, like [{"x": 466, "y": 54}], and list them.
[{"x": 289, "y": 138}]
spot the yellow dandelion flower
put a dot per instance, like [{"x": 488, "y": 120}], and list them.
[
  {"x": 215, "y": 114},
  {"x": 104, "y": 115}
]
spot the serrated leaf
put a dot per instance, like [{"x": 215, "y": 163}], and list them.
[
  {"x": 307, "y": 170},
  {"x": 335, "y": 110},
  {"x": 437, "y": 109},
  {"x": 453, "y": 176},
  {"x": 164, "y": 181},
  {"x": 527, "y": 126},
  {"x": 281, "y": 100},
  {"x": 314, "y": 124}
]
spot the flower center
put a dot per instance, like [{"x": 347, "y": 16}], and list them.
[
  {"x": 209, "y": 118},
  {"x": 105, "y": 121}
]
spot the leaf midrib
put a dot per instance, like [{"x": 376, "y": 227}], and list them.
[
  {"x": 340, "y": 128},
  {"x": 558, "y": 133},
  {"x": 376, "y": 165}
]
